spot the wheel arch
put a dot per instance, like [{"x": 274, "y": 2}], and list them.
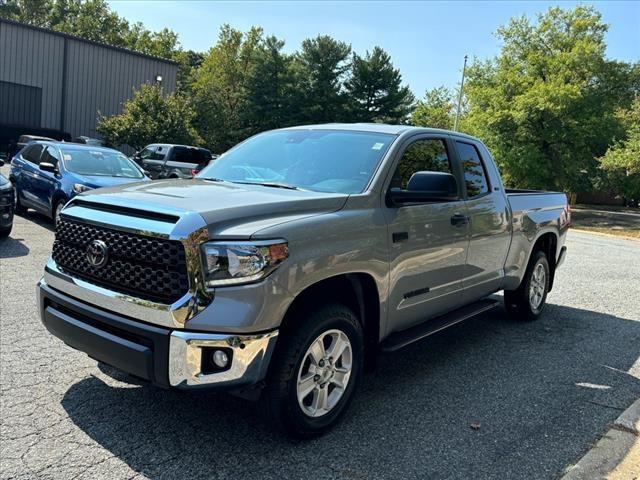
[
  {"x": 547, "y": 242},
  {"x": 57, "y": 196},
  {"x": 358, "y": 291}
]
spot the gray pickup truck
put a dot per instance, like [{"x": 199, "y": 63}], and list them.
[{"x": 282, "y": 270}]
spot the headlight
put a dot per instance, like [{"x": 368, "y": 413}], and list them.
[
  {"x": 234, "y": 263},
  {"x": 79, "y": 188}
]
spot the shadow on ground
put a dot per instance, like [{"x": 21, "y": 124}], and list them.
[
  {"x": 411, "y": 417},
  {"x": 13, "y": 247}
]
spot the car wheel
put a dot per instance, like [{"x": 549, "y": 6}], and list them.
[
  {"x": 314, "y": 372},
  {"x": 528, "y": 300},
  {"x": 5, "y": 231},
  {"x": 18, "y": 207},
  {"x": 56, "y": 212}
]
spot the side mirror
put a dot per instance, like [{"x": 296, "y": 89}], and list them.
[
  {"x": 425, "y": 187},
  {"x": 48, "y": 167}
]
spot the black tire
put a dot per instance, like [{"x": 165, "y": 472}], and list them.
[
  {"x": 18, "y": 208},
  {"x": 58, "y": 205},
  {"x": 4, "y": 232},
  {"x": 280, "y": 398},
  {"x": 518, "y": 302}
]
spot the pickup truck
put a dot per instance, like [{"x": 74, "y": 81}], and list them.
[{"x": 284, "y": 267}]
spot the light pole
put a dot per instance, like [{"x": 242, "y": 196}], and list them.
[{"x": 455, "y": 123}]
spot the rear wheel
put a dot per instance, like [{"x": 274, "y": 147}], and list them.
[
  {"x": 528, "y": 300},
  {"x": 315, "y": 371}
]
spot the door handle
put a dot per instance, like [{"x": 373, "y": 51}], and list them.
[{"x": 459, "y": 219}]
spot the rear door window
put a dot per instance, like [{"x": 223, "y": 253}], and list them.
[
  {"x": 475, "y": 176},
  {"x": 32, "y": 153}
]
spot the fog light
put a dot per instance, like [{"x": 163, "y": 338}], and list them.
[{"x": 220, "y": 359}]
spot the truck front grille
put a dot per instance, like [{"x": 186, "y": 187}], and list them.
[{"x": 144, "y": 267}]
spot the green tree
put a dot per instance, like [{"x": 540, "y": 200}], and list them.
[
  {"x": 220, "y": 87},
  {"x": 622, "y": 160},
  {"x": 270, "y": 88},
  {"x": 546, "y": 105},
  {"x": 436, "y": 109},
  {"x": 151, "y": 117},
  {"x": 375, "y": 89},
  {"x": 321, "y": 67}
]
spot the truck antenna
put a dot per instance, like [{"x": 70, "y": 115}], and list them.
[{"x": 464, "y": 68}]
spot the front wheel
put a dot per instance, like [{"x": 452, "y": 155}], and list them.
[
  {"x": 56, "y": 212},
  {"x": 315, "y": 371},
  {"x": 528, "y": 300},
  {"x": 17, "y": 205}
]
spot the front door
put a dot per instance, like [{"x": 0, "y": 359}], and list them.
[
  {"x": 44, "y": 184},
  {"x": 428, "y": 242}
]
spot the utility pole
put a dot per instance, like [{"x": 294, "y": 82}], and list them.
[{"x": 464, "y": 68}]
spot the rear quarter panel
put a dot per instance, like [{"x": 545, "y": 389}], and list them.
[{"x": 533, "y": 215}]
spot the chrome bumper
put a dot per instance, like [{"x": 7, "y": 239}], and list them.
[
  {"x": 249, "y": 361},
  {"x": 162, "y": 356}
]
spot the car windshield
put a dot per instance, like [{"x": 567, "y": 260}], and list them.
[
  {"x": 99, "y": 162},
  {"x": 320, "y": 160}
]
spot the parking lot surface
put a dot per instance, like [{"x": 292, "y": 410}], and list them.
[{"x": 540, "y": 392}]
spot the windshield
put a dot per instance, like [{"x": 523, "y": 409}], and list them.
[
  {"x": 320, "y": 160},
  {"x": 100, "y": 162}
]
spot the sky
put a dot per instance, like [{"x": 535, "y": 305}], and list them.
[{"x": 426, "y": 40}]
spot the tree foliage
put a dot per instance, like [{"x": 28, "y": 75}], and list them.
[
  {"x": 375, "y": 90},
  {"x": 546, "y": 105},
  {"x": 151, "y": 117},
  {"x": 622, "y": 160},
  {"x": 436, "y": 109}
]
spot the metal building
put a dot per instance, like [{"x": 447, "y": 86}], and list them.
[{"x": 55, "y": 83}]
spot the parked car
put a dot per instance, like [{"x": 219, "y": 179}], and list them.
[
  {"x": 89, "y": 141},
  {"x": 6, "y": 205},
  {"x": 172, "y": 161},
  {"x": 281, "y": 270},
  {"x": 45, "y": 175}
]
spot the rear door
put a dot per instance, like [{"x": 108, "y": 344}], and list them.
[
  {"x": 489, "y": 227},
  {"x": 428, "y": 247}
]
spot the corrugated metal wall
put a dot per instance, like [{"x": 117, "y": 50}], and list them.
[
  {"x": 34, "y": 58},
  {"x": 98, "y": 78}
]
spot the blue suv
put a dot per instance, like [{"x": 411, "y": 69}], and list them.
[{"x": 46, "y": 175}]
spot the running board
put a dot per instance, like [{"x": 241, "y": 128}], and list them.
[{"x": 397, "y": 340}]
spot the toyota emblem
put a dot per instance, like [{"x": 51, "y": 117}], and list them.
[{"x": 97, "y": 253}]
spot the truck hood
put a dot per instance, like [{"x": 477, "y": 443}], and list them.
[{"x": 229, "y": 209}]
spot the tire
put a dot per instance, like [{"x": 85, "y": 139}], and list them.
[
  {"x": 4, "y": 232},
  {"x": 528, "y": 300},
  {"x": 56, "y": 210},
  {"x": 295, "y": 360},
  {"x": 18, "y": 207}
]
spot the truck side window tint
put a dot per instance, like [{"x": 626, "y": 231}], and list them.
[
  {"x": 32, "y": 154},
  {"x": 158, "y": 154},
  {"x": 428, "y": 155},
  {"x": 475, "y": 177}
]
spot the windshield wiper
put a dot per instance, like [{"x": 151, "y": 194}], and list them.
[{"x": 272, "y": 185}]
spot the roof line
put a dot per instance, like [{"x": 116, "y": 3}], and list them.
[{"x": 85, "y": 40}]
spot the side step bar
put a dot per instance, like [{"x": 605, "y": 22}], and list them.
[{"x": 397, "y": 340}]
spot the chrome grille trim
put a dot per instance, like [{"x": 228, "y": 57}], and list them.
[{"x": 191, "y": 230}]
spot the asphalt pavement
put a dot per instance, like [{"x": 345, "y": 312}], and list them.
[{"x": 542, "y": 393}]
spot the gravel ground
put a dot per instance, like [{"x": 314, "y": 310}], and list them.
[{"x": 542, "y": 392}]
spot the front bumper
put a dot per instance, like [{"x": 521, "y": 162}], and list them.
[{"x": 162, "y": 356}]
